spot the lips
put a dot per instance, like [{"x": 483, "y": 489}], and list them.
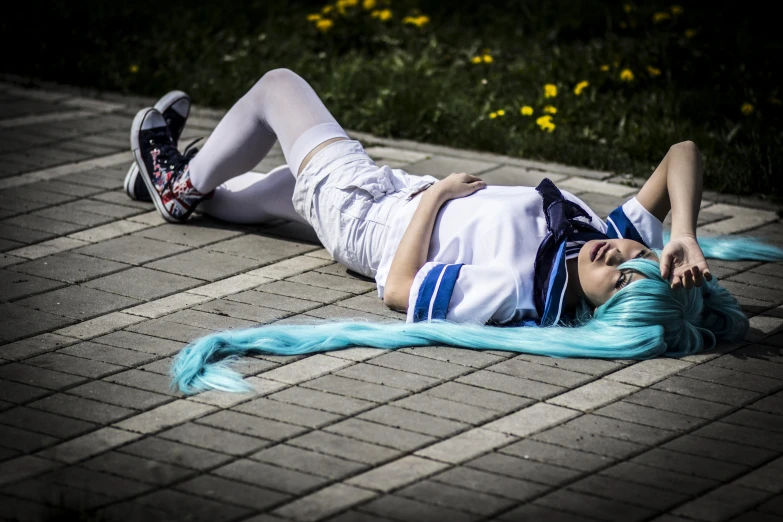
[{"x": 596, "y": 249}]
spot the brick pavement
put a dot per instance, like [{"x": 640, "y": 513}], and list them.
[{"x": 94, "y": 303}]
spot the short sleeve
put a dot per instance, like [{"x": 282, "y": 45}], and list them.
[
  {"x": 633, "y": 221},
  {"x": 463, "y": 293}
]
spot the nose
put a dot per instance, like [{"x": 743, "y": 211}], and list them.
[{"x": 614, "y": 257}]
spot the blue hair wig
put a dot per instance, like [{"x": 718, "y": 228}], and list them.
[{"x": 645, "y": 319}]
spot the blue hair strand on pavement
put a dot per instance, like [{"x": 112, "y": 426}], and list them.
[{"x": 645, "y": 319}]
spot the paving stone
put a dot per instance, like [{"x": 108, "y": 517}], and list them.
[
  {"x": 261, "y": 248},
  {"x": 666, "y": 401},
  {"x": 164, "y": 416},
  {"x": 721, "y": 504},
  {"x": 594, "y": 367},
  {"x": 354, "y": 388},
  {"x": 136, "y": 468},
  {"x": 108, "y": 354},
  {"x": 690, "y": 464},
  {"x": 498, "y": 485},
  {"x": 533, "y": 512},
  {"x": 344, "y": 447},
  {"x": 192, "y": 235},
  {"x": 290, "y": 267},
  {"x": 44, "y": 422},
  {"x": 645, "y": 373},
  {"x": 620, "y": 429},
  {"x": 278, "y": 302},
  {"x": 134, "y": 250},
  {"x": 167, "y": 305},
  {"x": 69, "y": 214},
  {"x": 475, "y": 396},
  {"x": 69, "y": 500},
  {"x": 466, "y": 445},
  {"x": 591, "y": 506},
  {"x": 322, "y": 401},
  {"x": 399, "y": 508},
  {"x": 648, "y": 416},
  {"x": 756, "y": 419},
  {"x": 119, "y": 395},
  {"x": 719, "y": 450},
  {"x": 531, "y": 419},
  {"x": 93, "y": 443},
  {"x": 302, "y": 291},
  {"x": 17, "y": 322},
  {"x": 202, "y": 264},
  {"x": 19, "y": 393},
  {"x": 20, "y": 509},
  {"x": 59, "y": 186},
  {"x": 142, "y": 283},
  {"x": 230, "y": 285},
  {"x": 251, "y": 425},
  {"x": 397, "y": 154},
  {"x": 257, "y": 314},
  {"x": 397, "y": 473},
  {"x": 666, "y": 480},
  {"x": 753, "y": 292},
  {"x": 628, "y": 492},
  {"x": 170, "y": 452},
  {"x": 74, "y": 365},
  {"x": 419, "y": 365},
  {"x": 513, "y": 385},
  {"x": 24, "y": 441},
  {"x": 593, "y": 395},
  {"x": 306, "y": 461},
  {"x": 557, "y": 455},
  {"x": 7, "y": 244},
  {"x": 413, "y": 421},
  {"x": 139, "y": 342},
  {"x": 771, "y": 404},
  {"x": 203, "y": 320},
  {"x": 773, "y": 506},
  {"x": 766, "y": 478},
  {"x": 23, "y": 235},
  {"x": 724, "y": 376},
  {"x": 284, "y": 412},
  {"x": 442, "y": 166},
  {"x": 99, "y": 325},
  {"x": 41, "y": 377},
  {"x": 33, "y": 346},
  {"x": 81, "y": 408},
  {"x": 528, "y": 470},
  {"x": 306, "y": 369},
  {"x": 34, "y": 193},
  {"x": 461, "y": 356},
  {"x": 270, "y": 477},
  {"x": 342, "y": 284},
  {"x": 144, "y": 380},
  {"x": 77, "y": 302},
  {"x": 379, "y": 434},
  {"x": 230, "y": 492},
  {"x": 706, "y": 390},
  {"x": 463, "y": 413},
  {"x": 324, "y": 502},
  {"x": 753, "y": 367},
  {"x": 47, "y": 248},
  {"x": 387, "y": 377},
  {"x": 172, "y": 501}
]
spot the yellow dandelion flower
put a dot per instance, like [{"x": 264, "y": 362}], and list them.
[
  {"x": 550, "y": 90},
  {"x": 549, "y": 128},
  {"x": 384, "y": 15},
  {"x": 747, "y": 109},
  {"x": 313, "y": 17},
  {"x": 351, "y": 3},
  {"x": 581, "y": 86},
  {"x": 626, "y": 75},
  {"x": 526, "y": 110},
  {"x": 133, "y": 69},
  {"x": 369, "y": 4},
  {"x": 422, "y": 20},
  {"x": 545, "y": 122},
  {"x": 550, "y": 109},
  {"x": 327, "y": 9},
  {"x": 324, "y": 25},
  {"x": 493, "y": 115},
  {"x": 774, "y": 101},
  {"x": 604, "y": 68},
  {"x": 654, "y": 71},
  {"x": 501, "y": 112},
  {"x": 475, "y": 59},
  {"x": 690, "y": 33},
  {"x": 676, "y": 10},
  {"x": 661, "y": 16},
  {"x": 487, "y": 58},
  {"x": 628, "y": 8},
  {"x": 418, "y": 21}
]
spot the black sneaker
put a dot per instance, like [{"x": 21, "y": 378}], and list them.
[
  {"x": 164, "y": 170},
  {"x": 175, "y": 107}
]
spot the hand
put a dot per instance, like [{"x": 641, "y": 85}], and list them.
[
  {"x": 458, "y": 186},
  {"x": 683, "y": 263}
]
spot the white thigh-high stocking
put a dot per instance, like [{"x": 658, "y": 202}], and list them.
[
  {"x": 254, "y": 198},
  {"x": 282, "y": 106}
]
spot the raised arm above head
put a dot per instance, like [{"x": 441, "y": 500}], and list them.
[{"x": 676, "y": 186}]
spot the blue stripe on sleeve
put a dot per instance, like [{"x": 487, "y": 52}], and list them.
[
  {"x": 427, "y": 288},
  {"x": 620, "y": 226},
  {"x": 441, "y": 306}
]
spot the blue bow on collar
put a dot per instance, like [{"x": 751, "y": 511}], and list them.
[{"x": 563, "y": 225}]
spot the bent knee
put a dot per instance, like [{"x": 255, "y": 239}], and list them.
[{"x": 277, "y": 78}]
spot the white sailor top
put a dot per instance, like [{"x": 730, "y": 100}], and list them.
[{"x": 481, "y": 264}]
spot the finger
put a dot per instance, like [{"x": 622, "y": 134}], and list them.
[
  {"x": 707, "y": 274},
  {"x": 676, "y": 282},
  {"x": 665, "y": 260},
  {"x": 698, "y": 280},
  {"x": 688, "y": 283}
]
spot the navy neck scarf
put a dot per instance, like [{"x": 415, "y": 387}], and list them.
[{"x": 563, "y": 225}]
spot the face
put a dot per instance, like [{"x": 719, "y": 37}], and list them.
[{"x": 598, "y": 262}]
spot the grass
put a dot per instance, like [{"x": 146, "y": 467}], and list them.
[{"x": 708, "y": 73}]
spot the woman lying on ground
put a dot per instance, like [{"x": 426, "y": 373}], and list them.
[{"x": 455, "y": 255}]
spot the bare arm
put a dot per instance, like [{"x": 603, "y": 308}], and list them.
[
  {"x": 412, "y": 252},
  {"x": 676, "y": 185}
]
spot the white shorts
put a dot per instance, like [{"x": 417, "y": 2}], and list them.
[{"x": 352, "y": 203}]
